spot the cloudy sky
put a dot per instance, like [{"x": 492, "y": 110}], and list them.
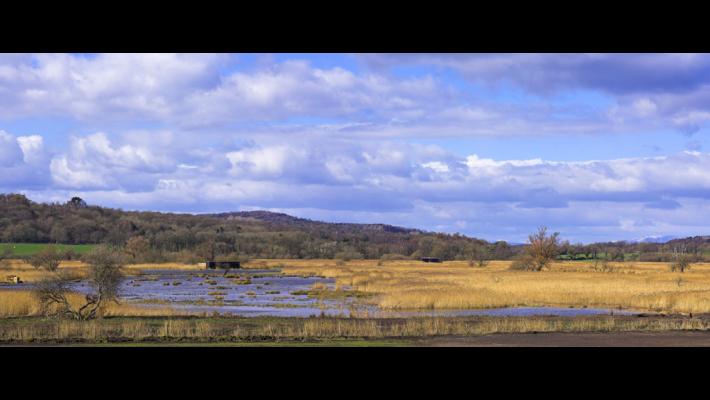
[{"x": 597, "y": 147}]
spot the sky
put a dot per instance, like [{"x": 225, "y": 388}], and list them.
[{"x": 598, "y": 147}]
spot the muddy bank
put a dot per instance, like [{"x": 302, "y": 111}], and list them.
[{"x": 562, "y": 339}]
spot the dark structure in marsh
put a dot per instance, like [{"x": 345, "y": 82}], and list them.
[
  {"x": 223, "y": 264},
  {"x": 431, "y": 259}
]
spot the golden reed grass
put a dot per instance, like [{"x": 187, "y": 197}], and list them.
[
  {"x": 22, "y": 303},
  {"x": 456, "y": 285},
  {"x": 29, "y": 274},
  {"x": 231, "y": 329}
]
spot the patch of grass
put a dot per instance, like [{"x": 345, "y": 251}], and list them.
[
  {"x": 338, "y": 294},
  {"x": 29, "y": 249}
]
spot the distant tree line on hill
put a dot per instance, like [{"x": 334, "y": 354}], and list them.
[{"x": 154, "y": 237}]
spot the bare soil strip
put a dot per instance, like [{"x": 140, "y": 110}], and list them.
[{"x": 561, "y": 339}]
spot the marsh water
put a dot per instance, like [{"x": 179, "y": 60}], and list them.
[
  {"x": 266, "y": 292},
  {"x": 247, "y": 292}
]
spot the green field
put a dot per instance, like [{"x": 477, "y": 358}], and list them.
[{"x": 28, "y": 249}]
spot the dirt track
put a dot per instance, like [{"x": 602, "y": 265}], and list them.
[{"x": 557, "y": 339}]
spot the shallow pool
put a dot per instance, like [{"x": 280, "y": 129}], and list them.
[{"x": 266, "y": 292}]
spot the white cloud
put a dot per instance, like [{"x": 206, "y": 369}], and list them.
[
  {"x": 437, "y": 166},
  {"x": 94, "y": 162},
  {"x": 264, "y": 162},
  {"x": 330, "y": 139},
  {"x": 32, "y": 148},
  {"x": 10, "y": 151},
  {"x": 604, "y": 199}
]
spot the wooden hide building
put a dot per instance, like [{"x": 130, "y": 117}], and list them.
[{"x": 223, "y": 264}]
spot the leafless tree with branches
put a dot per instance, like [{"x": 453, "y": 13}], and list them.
[
  {"x": 48, "y": 258},
  {"x": 681, "y": 259},
  {"x": 540, "y": 252},
  {"x": 105, "y": 277}
]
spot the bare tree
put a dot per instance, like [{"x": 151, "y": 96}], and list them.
[
  {"x": 48, "y": 258},
  {"x": 681, "y": 259},
  {"x": 7, "y": 253},
  {"x": 479, "y": 255},
  {"x": 5, "y": 257},
  {"x": 137, "y": 247},
  {"x": 542, "y": 249},
  {"x": 105, "y": 277},
  {"x": 207, "y": 249}
]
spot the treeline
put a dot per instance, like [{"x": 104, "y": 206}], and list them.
[
  {"x": 696, "y": 248},
  {"x": 158, "y": 236},
  {"x": 169, "y": 236}
]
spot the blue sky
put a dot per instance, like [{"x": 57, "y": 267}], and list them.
[{"x": 595, "y": 146}]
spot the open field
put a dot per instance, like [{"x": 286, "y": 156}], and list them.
[
  {"x": 643, "y": 286},
  {"x": 28, "y": 249}
]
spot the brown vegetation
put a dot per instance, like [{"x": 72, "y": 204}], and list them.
[
  {"x": 255, "y": 329},
  {"x": 104, "y": 276}
]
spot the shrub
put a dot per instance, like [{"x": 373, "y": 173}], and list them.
[
  {"x": 524, "y": 263},
  {"x": 348, "y": 255},
  {"x": 48, "y": 258},
  {"x": 7, "y": 253},
  {"x": 681, "y": 264},
  {"x": 603, "y": 266},
  {"x": 137, "y": 247},
  {"x": 680, "y": 259},
  {"x": 393, "y": 257},
  {"x": 70, "y": 254}
]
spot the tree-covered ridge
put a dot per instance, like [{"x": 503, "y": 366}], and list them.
[
  {"x": 252, "y": 234},
  {"x": 263, "y": 234}
]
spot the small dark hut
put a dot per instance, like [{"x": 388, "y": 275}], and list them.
[
  {"x": 223, "y": 264},
  {"x": 431, "y": 259}
]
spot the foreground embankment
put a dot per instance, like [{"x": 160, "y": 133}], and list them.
[{"x": 30, "y": 330}]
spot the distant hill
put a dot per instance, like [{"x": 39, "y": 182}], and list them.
[
  {"x": 657, "y": 239},
  {"x": 672, "y": 239},
  {"x": 264, "y": 234},
  {"x": 284, "y": 220},
  {"x": 261, "y": 234},
  {"x": 693, "y": 240}
]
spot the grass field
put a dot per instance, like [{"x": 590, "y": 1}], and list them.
[
  {"x": 28, "y": 249},
  {"x": 643, "y": 286}
]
